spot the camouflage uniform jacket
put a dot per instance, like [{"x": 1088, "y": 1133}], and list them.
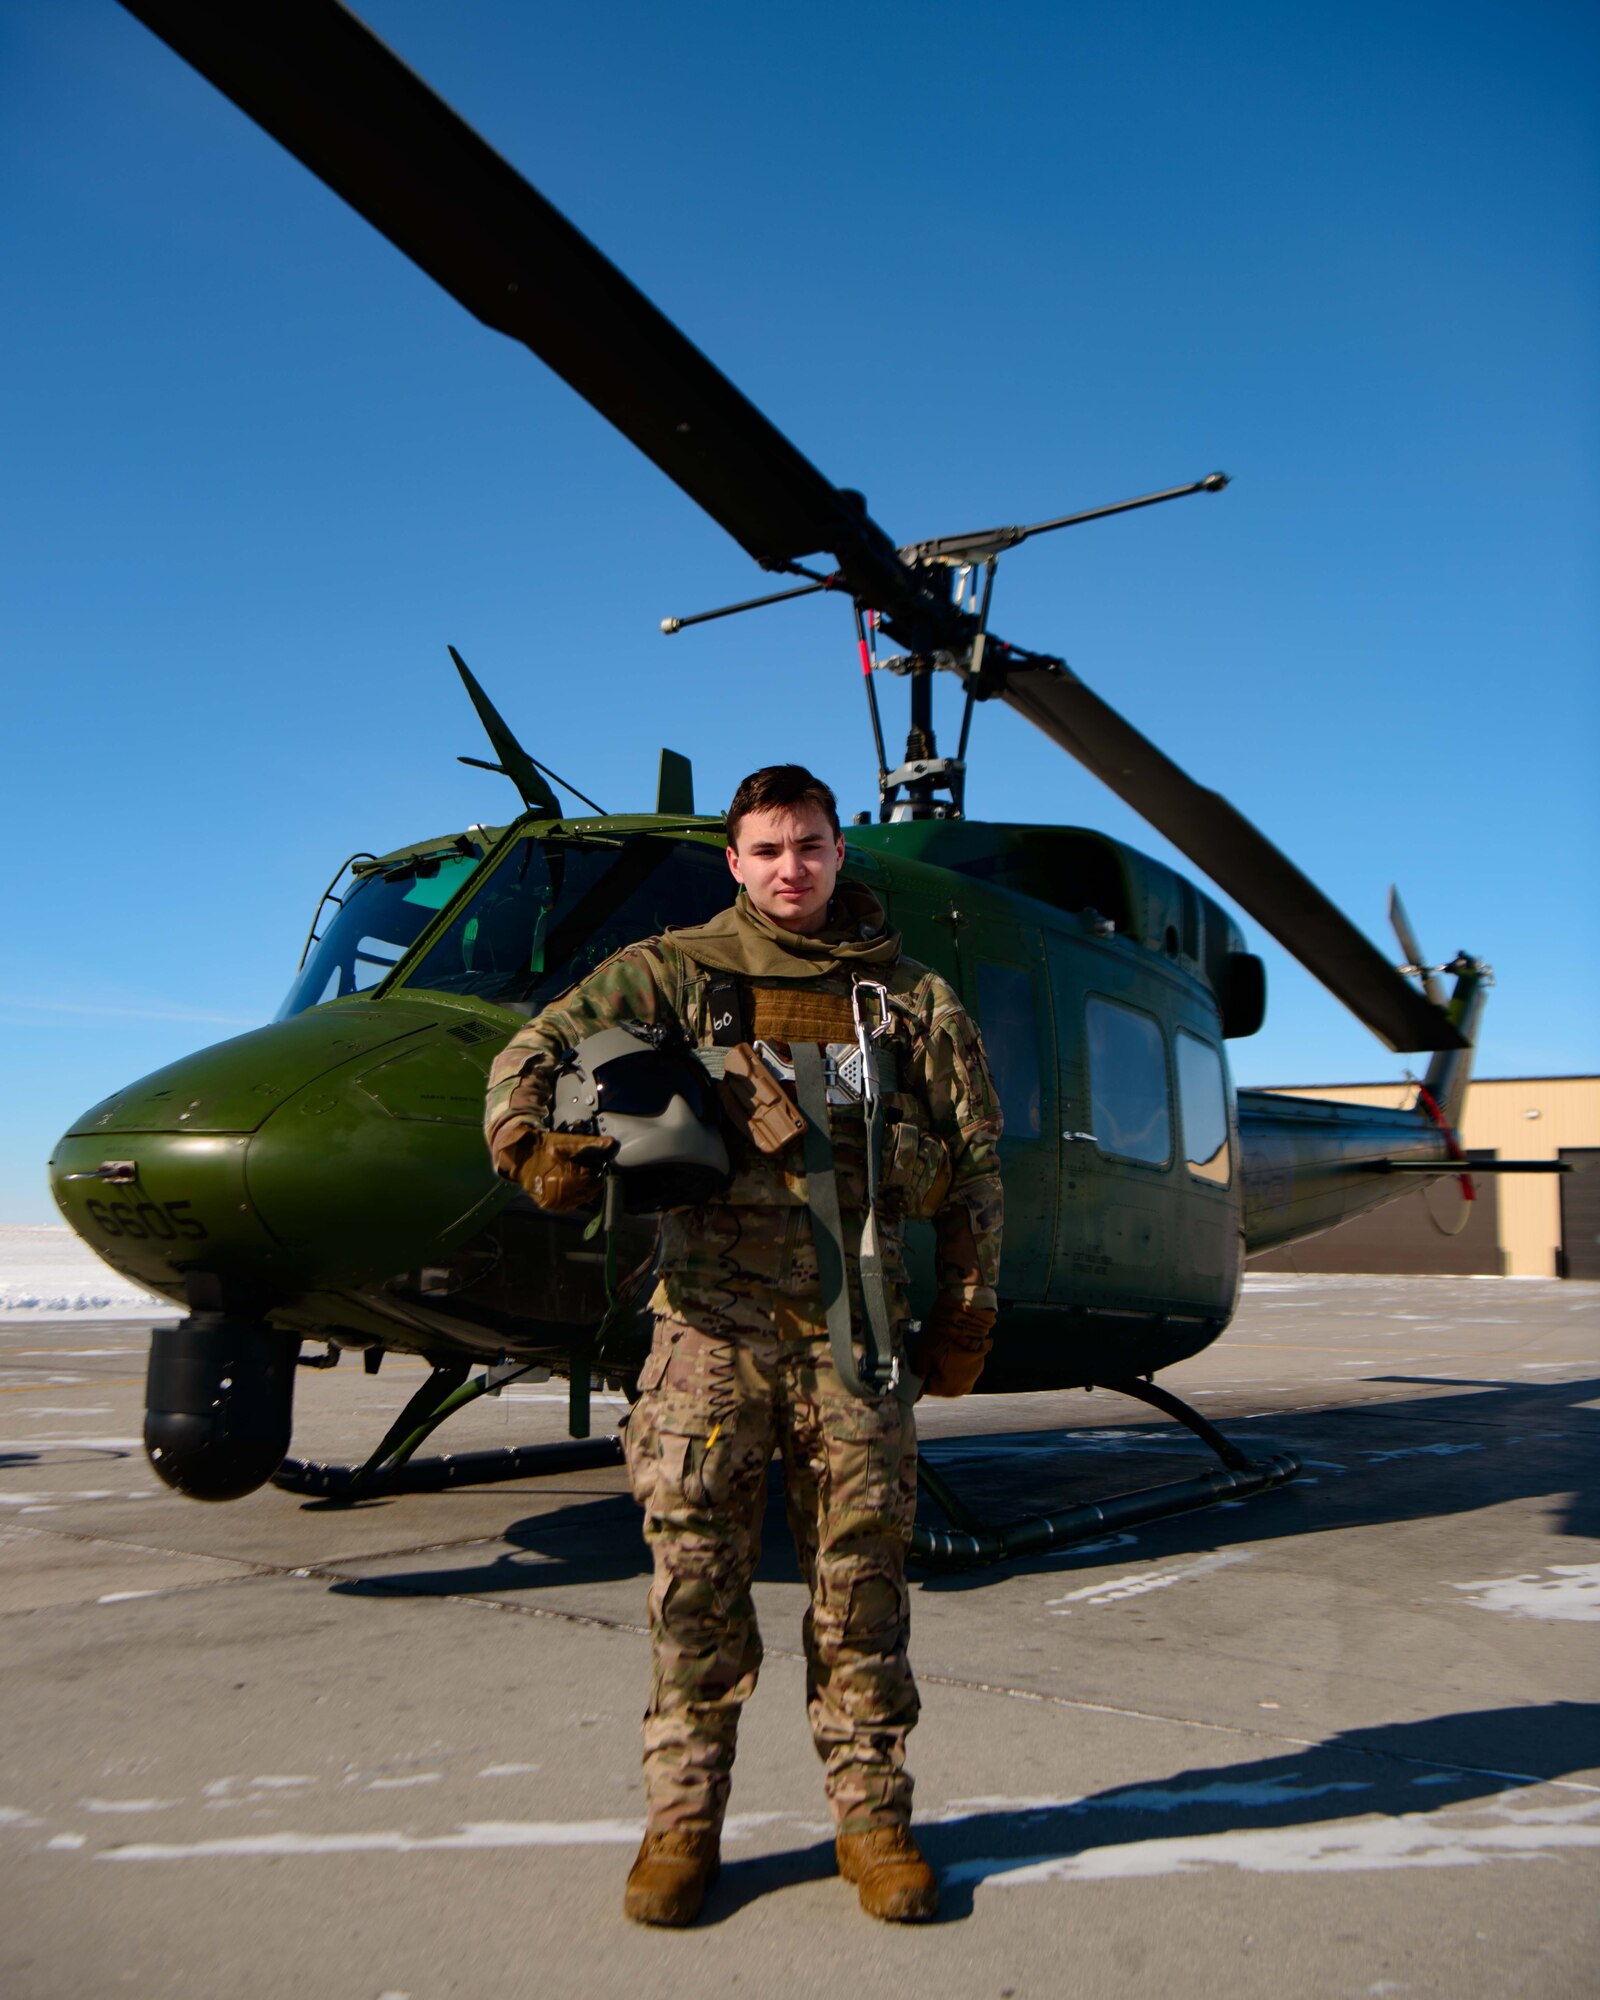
[{"x": 942, "y": 1115}]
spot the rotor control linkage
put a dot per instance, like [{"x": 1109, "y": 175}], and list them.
[
  {"x": 987, "y": 543},
  {"x": 969, "y": 1543},
  {"x": 833, "y": 582}
]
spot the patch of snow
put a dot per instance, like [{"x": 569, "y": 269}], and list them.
[
  {"x": 1112, "y": 1590},
  {"x": 48, "y": 1273},
  {"x": 1453, "y": 1838},
  {"x": 473, "y": 1836},
  {"x": 1418, "y": 1451},
  {"x": 1567, "y": 1591}
]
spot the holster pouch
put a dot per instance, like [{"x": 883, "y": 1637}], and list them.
[
  {"x": 915, "y": 1174},
  {"x": 756, "y": 1105}
]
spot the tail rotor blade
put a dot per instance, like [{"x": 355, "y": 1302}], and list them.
[{"x": 1404, "y": 931}]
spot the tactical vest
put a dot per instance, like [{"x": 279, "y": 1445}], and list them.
[{"x": 835, "y": 1053}]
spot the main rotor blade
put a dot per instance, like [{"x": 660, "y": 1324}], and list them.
[
  {"x": 1241, "y": 861},
  {"x": 322, "y": 84},
  {"x": 316, "y": 79}
]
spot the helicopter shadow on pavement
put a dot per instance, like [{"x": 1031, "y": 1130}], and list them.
[
  {"x": 590, "y": 1540},
  {"x": 1364, "y": 1463},
  {"x": 1394, "y": 1777},
  {"x": 47, "y": 1453}
]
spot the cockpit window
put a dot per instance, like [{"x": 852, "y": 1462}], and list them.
[
  {"x": 552, "y": 910},
  {"x": 382, "y": 916}
]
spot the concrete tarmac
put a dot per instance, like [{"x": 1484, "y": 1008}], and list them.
[{"x": 1342, "y": 1739}]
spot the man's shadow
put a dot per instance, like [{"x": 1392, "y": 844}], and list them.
[{"x": 1394, "y": 1771}]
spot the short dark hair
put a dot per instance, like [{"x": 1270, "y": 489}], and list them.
[{"x": 780, "y": 788}]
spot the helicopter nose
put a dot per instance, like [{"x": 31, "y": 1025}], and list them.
[
  {"x": 164, "y": 1207},
  {"x": 369, "y": 1171},
  {"x": 248, "y": 1182},
  {"x": 154, "y": 1177}
]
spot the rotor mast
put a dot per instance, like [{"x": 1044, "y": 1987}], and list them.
[
  {"x": 944, "y": 626},
  {"x": 924, "y": 773}
]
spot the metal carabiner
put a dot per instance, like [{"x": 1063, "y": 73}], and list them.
[{"x": 866, "y": 1035}]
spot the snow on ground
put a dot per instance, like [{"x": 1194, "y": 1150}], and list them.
[{"x": 48, "y": 1273}]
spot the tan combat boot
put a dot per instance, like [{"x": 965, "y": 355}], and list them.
[
  {"x": 892, "y": 1879},
  {"x": 670, "y": 1876}
]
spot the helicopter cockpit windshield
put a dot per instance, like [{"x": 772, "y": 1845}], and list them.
[
  {"x": 379, "y": 918},
  {"x": 552, "y": 909}
]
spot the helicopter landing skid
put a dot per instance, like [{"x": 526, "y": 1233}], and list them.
[
  {"x": 969, "y": 1543},
  {"x": 392, "y": 1469},
  {"x": 451, "y": 1468}
]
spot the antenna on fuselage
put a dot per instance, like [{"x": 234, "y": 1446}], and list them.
[{"x": 524, "y": 771}]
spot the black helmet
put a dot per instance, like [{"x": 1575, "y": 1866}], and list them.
[{"x": 655, "y": 1100}]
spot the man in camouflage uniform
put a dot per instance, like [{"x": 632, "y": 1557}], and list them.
[{"x": 741, "y": 1362}]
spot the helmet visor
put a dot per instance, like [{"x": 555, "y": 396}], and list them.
[{"x": 643, "y": 1085}]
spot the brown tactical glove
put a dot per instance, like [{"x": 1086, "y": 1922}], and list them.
[
  {"x": 952, "y": 1347},
  {"x": 561, "y": 1170}
]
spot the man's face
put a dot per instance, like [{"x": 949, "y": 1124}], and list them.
[{"x": 788, "y": 861}]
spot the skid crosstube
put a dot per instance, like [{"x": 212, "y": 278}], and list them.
[{"x": 969, "y": 1543}]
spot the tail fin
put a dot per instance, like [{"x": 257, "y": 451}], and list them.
[{"x": 1450, "y": 1071}]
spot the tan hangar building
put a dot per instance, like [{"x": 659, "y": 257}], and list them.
[{"x": 1519, "y": 1225}]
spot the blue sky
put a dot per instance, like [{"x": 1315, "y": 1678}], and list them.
[{"x": 986, "y": 265}]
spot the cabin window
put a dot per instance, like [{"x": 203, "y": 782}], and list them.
[
  {"x": 1011, "y": 1042},
  {"x": 1129, "y": 1100},
  {"x": 1203, "y": 1106}
]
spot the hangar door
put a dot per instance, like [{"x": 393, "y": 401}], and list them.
[
  {"x": 1580, "y": 1213},
  {"x": 1407, "y": 1235}
]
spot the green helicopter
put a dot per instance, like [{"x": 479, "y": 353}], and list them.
[{"x": 240, "y": 1183}]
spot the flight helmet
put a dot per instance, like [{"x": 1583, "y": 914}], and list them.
[{"x": 653, "y": 1097}]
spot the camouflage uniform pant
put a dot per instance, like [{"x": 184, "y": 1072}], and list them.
[{"x": 714, "y": 1407}]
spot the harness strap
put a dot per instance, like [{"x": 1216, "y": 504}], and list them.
[
  {"x": 727, "y": 1010},
  {"x": 886, "y": 1367},
  {"x": 822, "y": 1198}
]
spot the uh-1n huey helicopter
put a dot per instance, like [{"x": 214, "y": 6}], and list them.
[{"x": 240, "y": 1181}]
